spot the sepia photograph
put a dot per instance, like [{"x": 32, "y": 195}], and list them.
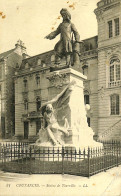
[{"x": 60, "y": 98}]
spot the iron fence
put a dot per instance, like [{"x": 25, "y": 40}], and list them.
[{"x": 26, "y": 158}]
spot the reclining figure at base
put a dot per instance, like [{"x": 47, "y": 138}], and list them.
[
  {"x": 52, "y": 124},
  {"x": 55, "y": 120}
]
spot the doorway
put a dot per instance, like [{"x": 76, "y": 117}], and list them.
[{"x": 26, "y": 130}]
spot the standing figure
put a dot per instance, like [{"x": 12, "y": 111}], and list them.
[{"x": 64, "y": 46}]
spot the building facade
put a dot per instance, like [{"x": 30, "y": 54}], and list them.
[
  {"x": 99, "y": 61},
  {"x": 31, "y": 88},
  {"x": 108, "y": 14},
  {"x": 8, "y": 62}
]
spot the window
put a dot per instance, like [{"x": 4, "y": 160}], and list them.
[
  {"x": 26, "y": 65},
  {"x": 37, "y": 79},
  {"x": 43, "y": 63},
  {"x": 0, "y": 72},
  {"x": 110, "y": 29},
  {"x": 85, "y": 70},
  {"x": 38, "y": 104},
  {"x": 38, "y": 126},
  {"x": 86, "y": 99},
  {"x": 17, "y": 65},
  {"x": 114, "y": 99},
  {"x": 116, "y": 26},
  {"x": 25, "y": 84},
  {"x": 39, "y": 61},
  {"x": 114, "y": 69},
  {"x": 53, "y": 58},
  {"x": 88, "y": 121},
  {"x": 26, "y": 104}
]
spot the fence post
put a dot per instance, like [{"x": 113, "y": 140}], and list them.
[
  {"x": 63, "y": 160},
  {"x": 0, "y": 151},
  {"x": 104, "y": 156},
  {"x": 30, "y": 153},
  {"x": 4, "y": 156},
  {"x": 88, "y": 162},
  {"x": 117, "y": 152}
]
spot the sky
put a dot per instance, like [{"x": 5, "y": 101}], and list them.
[{"x": 31, "y": 20}]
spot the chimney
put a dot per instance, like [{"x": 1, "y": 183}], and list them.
[{"x": 20, "y": 48}]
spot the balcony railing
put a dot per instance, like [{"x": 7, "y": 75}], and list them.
[
  {"x": 32, "y": 115},
  {"x": 105, "y": 2},
  {"x": 114, "y": 84},
  {"x": 90, "y": 52}
]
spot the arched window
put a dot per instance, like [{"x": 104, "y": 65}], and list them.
[
  {"x": 26, "y": 104},
  {"x": 114, "y": 101},
  {"x": 38, "y": 103},
  {"x": 115, "y": 71}
]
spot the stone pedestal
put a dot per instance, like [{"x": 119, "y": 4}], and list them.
[{"x": 80, "y": 135}]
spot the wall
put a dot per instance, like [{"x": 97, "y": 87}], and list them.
[{"x": 107, "y": 48}]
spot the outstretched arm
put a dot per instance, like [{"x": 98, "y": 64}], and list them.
[
  {"x": 53, "y": 34},
  {"x": 76, "y": 34}
]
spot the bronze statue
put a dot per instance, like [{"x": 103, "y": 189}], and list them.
[{"x": 64, "y": 46}]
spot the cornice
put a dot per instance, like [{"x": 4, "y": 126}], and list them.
[
  {"x": 30, "y": 72},
  {"x": 103, "y": 8},
  {"x": 109, "y": 47}
]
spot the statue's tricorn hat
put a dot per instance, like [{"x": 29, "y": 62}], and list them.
[{"x": 65, "y": 11}]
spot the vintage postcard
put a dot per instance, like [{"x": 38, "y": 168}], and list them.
[{"x": 60, "y": 97}]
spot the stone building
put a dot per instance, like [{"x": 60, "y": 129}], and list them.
[
  {"x": 99, "y": 61},
  {"x": 8, "y": 62},
  {"x": 108, "y": 14},
  {"x": 31, "y": 88}
]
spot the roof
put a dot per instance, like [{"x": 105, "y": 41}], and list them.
[{"x": 5, "y": 54}]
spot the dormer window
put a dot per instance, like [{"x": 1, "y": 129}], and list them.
[
  {"x": 53, "y": 58},
  {"x": 39, "y": 61},
  {"x": 26, "y": 66},
  {"x": 17, "y": 65},
  {"x": 43, "y": 63}
]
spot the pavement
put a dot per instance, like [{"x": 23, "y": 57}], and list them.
[{"x": 103, "y": 184}]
